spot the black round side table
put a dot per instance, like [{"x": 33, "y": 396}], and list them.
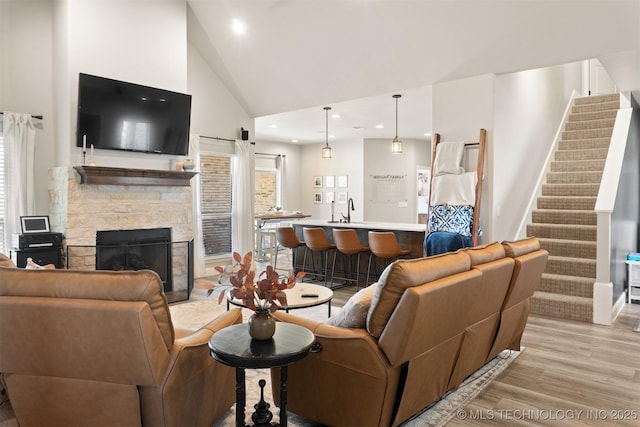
[{"x": 234, "y": 347}]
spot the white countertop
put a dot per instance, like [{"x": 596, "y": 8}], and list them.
[{"x": 367, "y": 225}]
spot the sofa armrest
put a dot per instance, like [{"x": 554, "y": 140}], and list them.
[
  {"x": 204, "y": 334},
  {"x": 196, "y": 389},
  {"x": 338, "y": 344},
  {"x": 346, "y": 373}
]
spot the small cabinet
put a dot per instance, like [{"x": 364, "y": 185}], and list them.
[
  {"x": 41, "y": 256},
  {"x": 633, "y": 293}
]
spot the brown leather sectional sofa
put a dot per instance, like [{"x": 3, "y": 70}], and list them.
[
  {"x": 432, "y": 322},
  {"x": 98, "y": 348}
]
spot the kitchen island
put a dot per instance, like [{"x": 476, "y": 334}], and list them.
[{"x": 410, "y": 236}]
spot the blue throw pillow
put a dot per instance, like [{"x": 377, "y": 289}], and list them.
[{"x": 451, "y": 218}]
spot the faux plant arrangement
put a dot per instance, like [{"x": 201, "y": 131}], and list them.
[
  {"x": 265, "y": 293},
  {"x": 263, "y": 296},
  {"x": 276, "y": 210}
]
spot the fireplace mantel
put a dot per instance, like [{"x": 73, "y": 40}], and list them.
[{"x": 123, "y": 176}]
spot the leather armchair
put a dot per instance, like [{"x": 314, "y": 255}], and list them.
[{"x": 99, "y": 348}]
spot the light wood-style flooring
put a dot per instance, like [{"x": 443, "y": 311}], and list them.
[{"x": 570, "y": 373}]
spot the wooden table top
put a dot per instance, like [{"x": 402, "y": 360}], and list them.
[
  {"x": 234, "y": 347},
  {"x": 275, "y": 216}
]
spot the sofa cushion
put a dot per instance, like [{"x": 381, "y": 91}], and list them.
[
  {"x": 354, "y": 312},
  {"x": 403, "y": 274},
  {"x": 485, "y": 253},
  {"x": 521, "y": 247},
  {"x": 142, "y": 285}
]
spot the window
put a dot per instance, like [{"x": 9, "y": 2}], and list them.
[
  {"x": 267, "y": 184},
  {"x": 265, "y": 190},
  {"x": 215, "y": 203}
]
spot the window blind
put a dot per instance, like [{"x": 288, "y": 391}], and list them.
[{"x": 215, "y": 203}]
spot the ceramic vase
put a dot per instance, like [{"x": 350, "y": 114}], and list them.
[
  {"x": 187, "y": 165},
  {"x": 261, "y": 325}
]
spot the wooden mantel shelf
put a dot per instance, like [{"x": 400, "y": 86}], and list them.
[{"x": 122, "y": 176}]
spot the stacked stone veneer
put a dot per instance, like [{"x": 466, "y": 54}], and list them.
[{"x": 79, "y": 210}]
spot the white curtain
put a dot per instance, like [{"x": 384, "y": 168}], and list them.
[
  {"x": 243, "y": 186},
  {"x": 199, "y": 267},
  {"x": 19, "y": 154},
  {"x": 281, "y": 174}
]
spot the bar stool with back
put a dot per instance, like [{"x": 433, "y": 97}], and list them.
[
  {"x": 317, "y": 241},
  {"x": 348, "y": 244},
  {"x": 286, "y": 237},
  {"x": 384, "y": 245}
]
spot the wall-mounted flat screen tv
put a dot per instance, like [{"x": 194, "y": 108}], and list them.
[{"x": 117, "y": 115}]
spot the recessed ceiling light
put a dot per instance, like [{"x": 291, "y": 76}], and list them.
[
  {"x": 332, "y": 136},
  {"x": 238, "y": 26},
  {"x": 294, "y": 140},
  {"x": 273, "y": 126},
  {"x": 335, "y": 116},
  {"x": 143, "y": 98},
  {"x": 427, "y": 134},
  {"x": 379, "y": 126}
]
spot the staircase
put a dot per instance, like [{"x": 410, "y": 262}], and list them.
[{"x": 565, "y": 221}]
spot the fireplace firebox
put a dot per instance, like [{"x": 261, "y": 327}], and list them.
[{"x": 136, "y": 250}]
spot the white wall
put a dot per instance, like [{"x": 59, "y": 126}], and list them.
[
  {"x": 460, "y": 109},
  {"x": 347, "y": 160},
  {"x": 292, "y": 186},
  {"x": 359, "y": 160},
  {"x": 528, "y": 108},
  {"x": 214, "y": 111},
  {"x": 26, "y": 80},
  {"x": 124, "y": 40},
  {"x": 45, "y": 44},
  {"x": 390, "y": 180}
]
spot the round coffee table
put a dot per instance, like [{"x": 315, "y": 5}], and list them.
[{"x": 302, "y": 295}]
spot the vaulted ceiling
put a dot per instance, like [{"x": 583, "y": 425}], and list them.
[{"x": 297, "y": 56}]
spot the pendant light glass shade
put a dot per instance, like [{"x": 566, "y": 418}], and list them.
[
  {"x": 326, "y": 150},
  {"x": 396, "y": 144}
]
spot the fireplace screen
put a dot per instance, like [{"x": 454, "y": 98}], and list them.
[{"x": 136, "y": 250}]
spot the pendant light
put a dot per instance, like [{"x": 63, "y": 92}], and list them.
[
  {"x": 326, "y": 150},
  {"x": 396, "y": 144}
]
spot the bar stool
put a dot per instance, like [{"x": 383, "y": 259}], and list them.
[
  {"x": 267, "y": 248},
  {"x": 286, "y": 237},
  {"x": 317, "y": 241},
  {"x": 265, "y": 241},
  {"x": 384, "y": 245},
  {"x": 348, "y": 244}
]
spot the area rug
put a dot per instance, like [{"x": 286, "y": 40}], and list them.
[{"x": 191, "y": 315}]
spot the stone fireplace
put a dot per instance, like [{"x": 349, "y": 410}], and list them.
[{"x": 81, "y": 208}]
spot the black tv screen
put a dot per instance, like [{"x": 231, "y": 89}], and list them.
[{"x": 117, "y": 115}]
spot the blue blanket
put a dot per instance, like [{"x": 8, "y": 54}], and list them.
[{"x": 440, "y": 242}]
